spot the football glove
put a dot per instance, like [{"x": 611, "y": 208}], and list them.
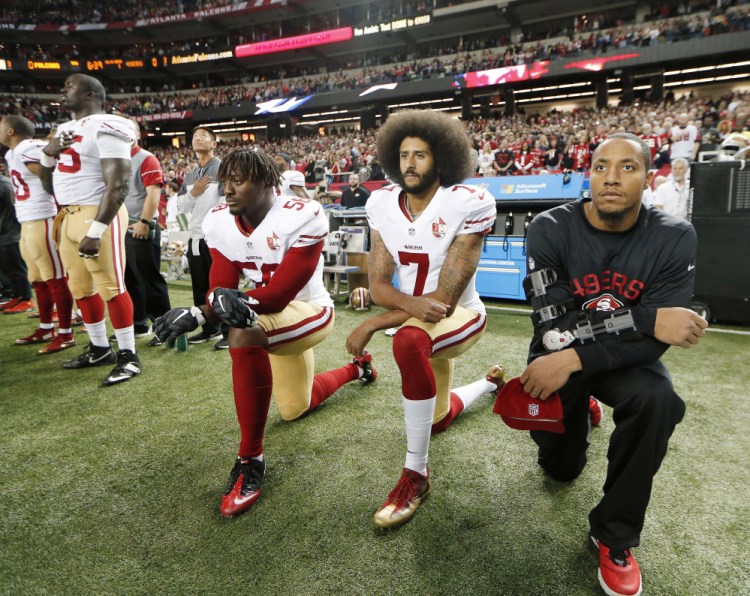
[
  {"x": 233, "y": 307},
  {"x": 176, "y": 322}
]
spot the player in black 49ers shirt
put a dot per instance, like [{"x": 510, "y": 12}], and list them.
[{"x": 610, "y": 281}]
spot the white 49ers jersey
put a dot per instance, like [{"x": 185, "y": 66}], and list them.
[
  {"x": 32, "y": 201},
  {"x": 288, "y": 179},
  {"x": 419, "y": 247},
  {"x": 78, "y": 176},
  {"x": 290, "y": 223}
]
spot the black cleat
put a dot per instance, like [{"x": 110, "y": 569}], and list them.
[
  {"x": 92, "y": 356},
  {"x": 204, "y": 336},
  {"x": 128, "y": 365},
  {"x": 369, "y": 374}
]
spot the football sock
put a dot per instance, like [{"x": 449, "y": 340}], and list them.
[
  {"x": 92, "y": 311},
  {"x": 125, "y": 338},
  {"x": 418, "y": 415},
  {"x": 468, "y": 393},
  {"x": 327, "y": 383},
  {"x": 44, "y": 301},
  {"x": 121, "y": 315},
  {"x": 456, "y": 407},
  {"x": 46, "y": 326},
  {"x": 252, "y": 382},
  {"x": 63, "y": 300}
]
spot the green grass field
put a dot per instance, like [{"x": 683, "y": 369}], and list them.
[{"x": 116, "y": 490}]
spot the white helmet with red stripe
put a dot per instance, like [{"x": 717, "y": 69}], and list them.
[{"x": 359, "y": 299}]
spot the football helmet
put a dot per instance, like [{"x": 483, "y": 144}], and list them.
[
  {"x": 735, "y": 147},
  {"x": 359, "y": 299}
]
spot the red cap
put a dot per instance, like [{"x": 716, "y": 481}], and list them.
[{"x": 521, "y": 411}]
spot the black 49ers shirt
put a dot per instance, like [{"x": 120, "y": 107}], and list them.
[{"x": 650, "y": 266}]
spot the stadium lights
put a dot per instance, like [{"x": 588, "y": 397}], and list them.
[
  {"x": 420, "y": 103},
  {"x": 325, "y": 113},
  {"x": 232, "y": 122},
  {"x": 742, "y": 75},
  {"x": 703, "y": 68}
]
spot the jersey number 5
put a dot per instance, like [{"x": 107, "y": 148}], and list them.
[
  {"x": 422, "y": 261},
  {"x": 75, "y": 159}
]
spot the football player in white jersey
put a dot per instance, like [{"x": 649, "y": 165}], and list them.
[
  {"x": 292, "y": 182},
  {"x": 87, "y": 168},
  {"x": 36, "y": 210},
  {"x": 277, "y": 243},
  {"x": 428, "y": 230}
]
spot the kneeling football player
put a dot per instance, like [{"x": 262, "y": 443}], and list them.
[{"x": 277, "y": 243}]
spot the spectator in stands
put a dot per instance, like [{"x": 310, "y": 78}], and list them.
[
  {"x": 553, "y": 156},
  {"x": 505, "y": 162},
  {"x": 199, "y": 194},
  {"x": 709, "y": 134},
  {"x": 524, "y": 160},
  {"x": 684, "y": 139},
  {"x": 292, "y": 181},
  {"x": 486, "y": 160},
  {"x": 672, "y": 196},
  {"x": 355, "y": 195}
]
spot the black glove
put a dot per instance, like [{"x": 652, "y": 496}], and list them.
[
  {"x": 233, "y": 307},
  {"x": 176, "y": 322}
]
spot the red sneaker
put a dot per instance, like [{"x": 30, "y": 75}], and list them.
[
  {"x": 402, "y": 502},
  {"x": 244, "y": 486},
  {"x": 20, "y": 306},
  {"x": 61, "y": 342},
  {"x": 9, "y": 303},
  {"x": 595, "y": 411},
  {"x": 496, "y": 376},
  {"x": 38, "y": 337},
  {"x": 619, "y": 574},
  {"x": 36, "y": 315}
]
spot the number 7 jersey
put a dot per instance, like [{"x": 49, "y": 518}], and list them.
[{"x": 419, "y": 248}]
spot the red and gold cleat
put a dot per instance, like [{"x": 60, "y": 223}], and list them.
[
  {"x": 244, "y": 486},
  {"x": 61, "y": 342},
  {"x": 38, "y": 337},
  {"x": 402, "y": 502}
]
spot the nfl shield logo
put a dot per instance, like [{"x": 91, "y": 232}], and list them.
[
  {"x": 438, "y": 228},
  {"x": 533, "y": 410},
  {"x": 273, "y": 241}
]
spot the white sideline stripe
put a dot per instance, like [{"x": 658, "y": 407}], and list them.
[{"x": 524, "y": 311}]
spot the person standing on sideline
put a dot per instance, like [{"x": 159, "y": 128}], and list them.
[
  {"x": 201, "y": 191},
  {"x": 427, "y": 229},
  {"x": 36, "y": 210},
  {"x": 86, "y": 166},
  {"x": 602, "y": 264},
  {"x": 18, "y": 299},
  {"x": 143, "y": 277}
]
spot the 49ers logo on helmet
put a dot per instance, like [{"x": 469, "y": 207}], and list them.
[
  {"x": 605, "y": 303},
  {"x": 273, "y": 241},
  {"x": 359, "y": 299}
]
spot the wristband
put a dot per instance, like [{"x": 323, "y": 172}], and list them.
[
  {"x": 96, "y": 230},
  {"x": 145, "y": 221},
  {"x": 47, "y": 161},
  {"x": 198, "y": 314}
]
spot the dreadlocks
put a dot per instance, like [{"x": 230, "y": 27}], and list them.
[
  {"x": 446, "y": 136},
  {"x": 249, "y": 164}
]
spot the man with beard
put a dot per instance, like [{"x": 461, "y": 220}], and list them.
[
  {"x": 428, "y": 230},
  {"x": 672, "y": 196},
  {"x": 584, "y": 260}
]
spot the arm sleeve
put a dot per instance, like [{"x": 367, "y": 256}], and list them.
[
  {"x": 223, "y": 274},
  {"x": 292, "y": 274}
]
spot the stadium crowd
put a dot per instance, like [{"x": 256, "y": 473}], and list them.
[
  {"x": 590, "y": 34},
  {"x": 556, "y": 140}
]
